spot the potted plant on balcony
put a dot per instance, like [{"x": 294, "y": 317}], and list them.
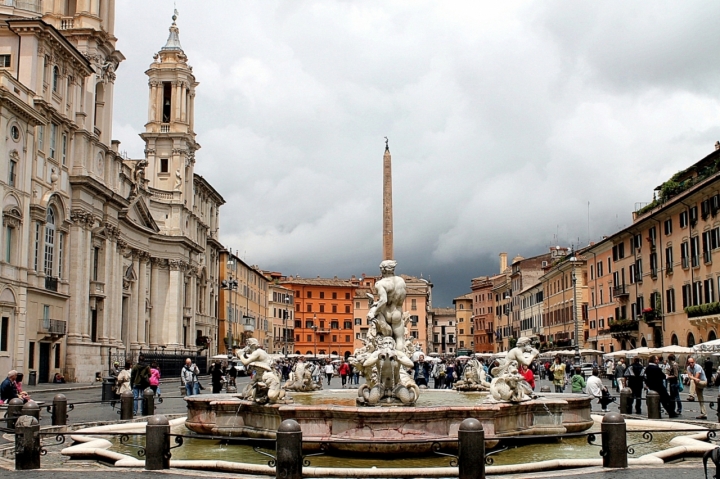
[
  {"x": 649, "y": 314},
  {"x": 203, "y": 342}
]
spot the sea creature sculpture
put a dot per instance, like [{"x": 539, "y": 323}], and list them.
[{"x": 265, "y": 386}]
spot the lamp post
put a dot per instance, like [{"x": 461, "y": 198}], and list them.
[
  {"x": 285, "y": 319},
  {"x": 575, "y": 317},
  {"x": 314, "y": 328},
  {"x": 230, "y": 285}
]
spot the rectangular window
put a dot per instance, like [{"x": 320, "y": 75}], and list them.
[
  {"x": 309, "y": 294},
  {"x": 322, "y": 294},
  {"x": 413, "y": 304},
  {"x": 592, "y": 271},
  {"x": 4, "y": 332},
  {"x": 683, "y": 219},
  {"x": 668, "y": 227},
  {"x": 709, "y": 291},
  {"x": 164, "y": 167},
  {"x": 37, "y": 246},
  {"x": 334, "y": 295},
  {"x": 96, "y": 259},
  {"x": 668, "y": 259},
  {"x": 695, "y": 251},
  {"x": 693, "y": 216},
  {"x": 8, "y": 244},
  {"x": 653, "y": 265},
  {"x": 685, "y": 254},
  {"x": 309, "y": 308},
  {"x": 609, "y": 266},
  {"x": 5, "y": 61},
  {"x": 600, "y": 269},
  {"x": 696, "y": 293},
  {"x": 12, "y": 171},
  {"x": 334, "y": 308},
  {"x": 63, "y": 154},
  {"x": 322, "y": 308},
  {"x": 61, "y": 246},
  {"x": 347, "y": 309},
  {"x": 632, "y": 274},
  {"x": 347, "y": 295},
  {"x": 53, "y": 139},
  {"x": 31, "y": 355},
  {"x": 41, "y": 137},
  {"x": 670, "y": 300}
]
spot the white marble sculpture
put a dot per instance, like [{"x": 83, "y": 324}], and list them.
[
  {"x": 384, "y": 359},
  {"x": 473, "y": 377},
  {"x": 508, "y": 385},
  {"x": 301, "y": 378},
  {"x": 265, "y": 386}
]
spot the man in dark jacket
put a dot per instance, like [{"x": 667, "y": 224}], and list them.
[
  {"x": 654, "y": 380},
  {"x": 634, "y": 375},
  {"x": 140, "y": 379},
  {"x": 8, "y": 390}
]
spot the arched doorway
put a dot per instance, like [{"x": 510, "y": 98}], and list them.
[
  {"x": 347, "y": 355},
  {"x": 712, "y": 336},
  {"x": 690, "y": 340},
  {"x": 674, "y": 340},
  {"x": 643, "y": 343}
]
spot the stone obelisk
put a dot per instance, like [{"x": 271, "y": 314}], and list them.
[{"x": 387, "y": 204}]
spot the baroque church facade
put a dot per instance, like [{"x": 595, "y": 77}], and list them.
[{"x": 102, "y": 255}]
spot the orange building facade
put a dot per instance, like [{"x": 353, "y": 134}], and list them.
[{"x": 324, "y": 318}]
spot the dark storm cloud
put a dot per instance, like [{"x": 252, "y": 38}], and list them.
[{"x": 505, "y": 119}]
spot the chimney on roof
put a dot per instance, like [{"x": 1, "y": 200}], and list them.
[{"x": 503, "y": 262}]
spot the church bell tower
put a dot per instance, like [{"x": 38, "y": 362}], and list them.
[{"x": 169, "y": 133}]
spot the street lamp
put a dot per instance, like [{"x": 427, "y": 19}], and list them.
[
  {"x": 285, "y": 319},
  {"x": 575, "y": 317},
  {"x": 315, "y": 328},
  {"x": 230, "y": 285}
]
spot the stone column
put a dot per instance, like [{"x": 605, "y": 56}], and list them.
[
  {"x": 183, "y": 103},
  {"x": 134, "y": 300},
  {"x": 173, "y": 320},
  {"x": 152, "y": 101},
  {"x": 142, "y": 295},
  {"x": 109, "y": 275},
  {"x": 79, "y": 274},
  {"x": 155, "y": 302}
]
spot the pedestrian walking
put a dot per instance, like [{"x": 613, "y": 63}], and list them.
[
  {"x": 620, "y": 375},
  {"x": 189, "y": 378},
  {"x": 635, "y": 375},
  {"x": 140, "y": 380},
  {"x": 673, "y": 380},
  {"x": 329, "y": 371},
  {"x": 699, "y": 379},
  {"x": 155, "y": 378},
  {"x": 344, "y": 371},
  {"x": 122, "y": 383}
]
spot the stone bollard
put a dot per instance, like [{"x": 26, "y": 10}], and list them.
[
  {"x": 126, "y": 406},
  {"x": 31, "y": 408},
  {"x": 652, "y": 399},
  {"x": 471, "y": 449},
  {"x": 157, "y": 443},
  {"x": 148, "y": 402},
  {"x": 59, "y": 410},
  {"x": 614, "y": 440},
  {"x": 626, "y": 401},
  {"x": 27, "y": 443},
  {"x": 545, "y": 389},
  {"x": 14, "y": 411},
  {"x": 288, "y": 450}
]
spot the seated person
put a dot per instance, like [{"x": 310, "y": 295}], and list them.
[
  {"x": 8, "y": 390},
  {"x": 18, "y": 385},
  {"x": 58, "y": 379}
]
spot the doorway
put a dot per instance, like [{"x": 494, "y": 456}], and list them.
[{"x": 44, "y": 370}]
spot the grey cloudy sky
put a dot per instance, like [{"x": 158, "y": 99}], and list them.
[{"x": 505, "y": 119}]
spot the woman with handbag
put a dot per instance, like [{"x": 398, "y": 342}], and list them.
[{"x": 122, "y": 383}]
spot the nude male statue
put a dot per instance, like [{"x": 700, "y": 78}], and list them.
[{"x": 387, "y": 310}]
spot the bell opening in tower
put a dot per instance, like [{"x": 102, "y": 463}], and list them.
[{"x": 167, "y": 101}]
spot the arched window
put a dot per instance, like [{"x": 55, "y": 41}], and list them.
[
  {"x": 690, "y": 340},
  {"x": 674, "y": 340},
  {"x": 50, "y": 242},
  {"x": 56, "y": 78}
]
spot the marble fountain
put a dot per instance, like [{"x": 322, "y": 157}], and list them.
[{"x": 389, "y": 414}]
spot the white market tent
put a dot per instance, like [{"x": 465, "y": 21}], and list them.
[{"x": 710, "y": 346}]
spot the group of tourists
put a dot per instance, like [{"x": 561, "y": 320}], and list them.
[{"x": 135, "y": 378}]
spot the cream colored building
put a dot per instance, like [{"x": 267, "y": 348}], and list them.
[
  {"x": 104, "y": 256},
  {"x": 281, "y": 308},
  {"x": 463, "y": 318}
]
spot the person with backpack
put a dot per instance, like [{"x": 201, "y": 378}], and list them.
[
  {"x": 635, "y": 376},
  {"x": 189, "y": 378},
  {"x": 140, "y": 380}
]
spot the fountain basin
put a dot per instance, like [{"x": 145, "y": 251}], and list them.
[{"x": 387, "y": 430}]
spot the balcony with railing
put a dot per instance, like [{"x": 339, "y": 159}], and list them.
[
  {"x": 620, "y": 291},
  {"x": 53, "y": 327},
  {"x": 704, "y": 315},
  {"x": 165, "y": 128},
  {"x": 66, "y": 23}
]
